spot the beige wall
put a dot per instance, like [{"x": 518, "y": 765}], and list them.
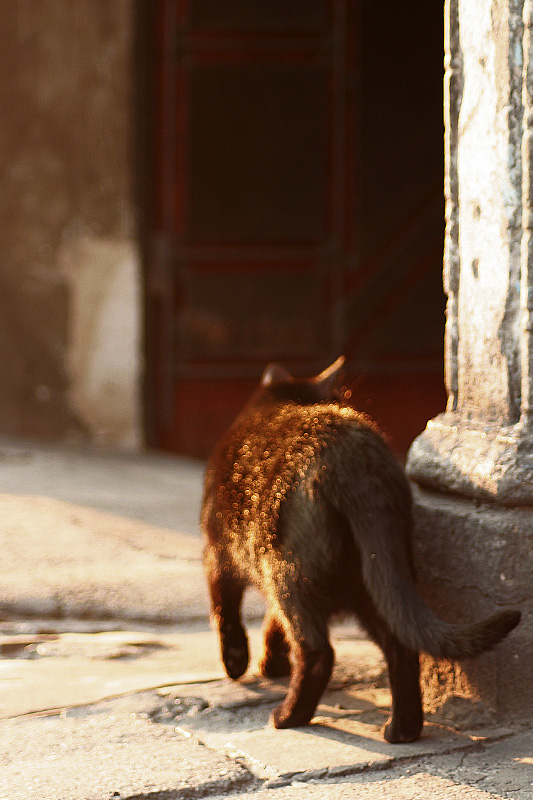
[{"x": 69, "y": 283}]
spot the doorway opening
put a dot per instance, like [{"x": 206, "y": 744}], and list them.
[{"x": 290, "y": 163}]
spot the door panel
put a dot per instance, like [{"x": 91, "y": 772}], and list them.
[
  {"x": 265, "y": 16},
  {"x": 258, "y": 152},
  {"x": 297, "y": 196},
  {"x": 264, "y": 312}
]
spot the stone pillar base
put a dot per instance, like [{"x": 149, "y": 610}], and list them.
[
  {"x": 484, "y": 461},
  {"x": 474, "y": 559}
]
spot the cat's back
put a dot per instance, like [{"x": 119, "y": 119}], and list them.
[
  {"x": 272, "y": 446},
  {"x": 286, "y": 433},
  {"x": 285, "y": 467}
]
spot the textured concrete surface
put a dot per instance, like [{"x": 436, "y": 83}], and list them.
[
  {"x": 110, "y": 750},
  {"x": 132, "y": 705},
  {"x": 59, "y": 559},
  {"x": 485, "y": 553},
  {"x": 157, "y": 489},
  {"x": 132, "y": 714}
]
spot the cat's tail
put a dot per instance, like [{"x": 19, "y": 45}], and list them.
[{"x": 387, "y": 577}]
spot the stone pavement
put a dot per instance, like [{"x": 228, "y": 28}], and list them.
[{"x": 110, "y": 678}]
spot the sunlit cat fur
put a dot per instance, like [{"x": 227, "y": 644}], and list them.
[{"x": 304, "y": 499}]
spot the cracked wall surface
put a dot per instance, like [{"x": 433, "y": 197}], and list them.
[{"x": 474, "y": 513}]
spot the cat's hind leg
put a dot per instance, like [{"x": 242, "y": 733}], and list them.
[
  {"x": 226, "y": 590},
  {"x": 310, "y": 675},
  {"x": 312, "y": 663},
  {"x": 406, "y": 722},
  {"x": 275, "y": 662}
]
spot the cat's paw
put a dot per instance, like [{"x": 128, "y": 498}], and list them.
[
  {"x": 235, "y": 655},
  {"x": 283, "y": 717},
  {"x": 235, "y": 661},
  {"x": 401, "y": 734}
]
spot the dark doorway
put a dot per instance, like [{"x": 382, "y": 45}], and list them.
[{"x": 291, "y": 175}]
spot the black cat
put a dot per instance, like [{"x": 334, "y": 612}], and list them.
[{"x": 304, "y": 499}]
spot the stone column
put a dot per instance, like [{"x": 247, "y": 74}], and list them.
[{"x": 474, "y": 463}]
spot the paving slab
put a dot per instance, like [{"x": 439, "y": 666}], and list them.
[
  {"x": 500, "y": 770},
  {"x": 58, "y": 559},
  {"x": 135, "y": 747},
  {"x": 506, "y": 766},
  {"x": 72, "y": 700},
  {"x": 203, "y": 735},
  {"x": 77, "y": 669},
  {"x": 333, "y": 744},
  {"x": 412, "y": 783},
  {"x": 108, "y": 750},
  {"x": 123, "y": 748},
  {"x": 44, "y": 671}
]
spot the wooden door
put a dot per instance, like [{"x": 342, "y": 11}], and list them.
[{"x": 255, "y": 248}]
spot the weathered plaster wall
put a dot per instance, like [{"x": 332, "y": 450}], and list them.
[
  {"x": 69, "y": 279},
  {"x": 104, "y": 336}
]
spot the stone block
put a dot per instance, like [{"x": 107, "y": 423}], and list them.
[{"x": 474, "y": 559}]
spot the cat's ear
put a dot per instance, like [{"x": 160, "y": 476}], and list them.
[
  {"x": 331, "y": 378},
  {"x": 275, "y": 373}
]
